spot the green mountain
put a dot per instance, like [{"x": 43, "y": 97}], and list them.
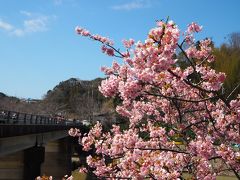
[{"x": 73, "y": 98}]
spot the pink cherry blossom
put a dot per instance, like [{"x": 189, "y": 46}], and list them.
[
  {"x": 128, "y": 43},
  {"x": 82, "y": 31},
  {"x": 74, "y": 132},
  {"x": 193, "y": 27},
  {"x": 177, "y": 119}
]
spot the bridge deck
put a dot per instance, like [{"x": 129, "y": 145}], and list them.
[
  {"x": 9, "y": 130},
  {"x": 17, "y": 124}
]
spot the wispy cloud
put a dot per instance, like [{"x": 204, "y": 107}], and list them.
[
  {"x": 26, "y": 13},
  {"x": 5, "y": 26},
  {"x": 30, "y": 26},
  {"x": 32, "y": 23},
  {"x": 18, "y": 32},
  {"x": 72, "y": 3},
  {"x": 57, "y": 2},
  {"x": 137, "y": 4}
]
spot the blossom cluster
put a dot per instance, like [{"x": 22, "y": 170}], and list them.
[{"x": 178, "y": 118}]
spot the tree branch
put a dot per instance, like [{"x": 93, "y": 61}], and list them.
[
  {"x": 233, "y": 91},
  {"x": 179, "y": 99},
  {"x": 191, "y": 63},
  {"x": 161, "y": 149}
]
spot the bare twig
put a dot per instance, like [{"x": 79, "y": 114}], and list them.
[
  {"x": 180, "y": 99},
  {"x": 233, "y": 91},
  {"x": 161, "y": 149}
]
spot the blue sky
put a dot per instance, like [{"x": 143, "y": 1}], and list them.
[{"x": 39, "y": 48}]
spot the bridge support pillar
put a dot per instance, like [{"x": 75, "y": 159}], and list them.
[
  {"x": 57, "y": 159},
  {"x": 33, "y": 158}
]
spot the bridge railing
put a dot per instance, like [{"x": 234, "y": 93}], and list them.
[{"x": 13, "y": 117}]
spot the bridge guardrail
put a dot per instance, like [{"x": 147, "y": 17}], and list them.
[{"x": 13, "y": 117}]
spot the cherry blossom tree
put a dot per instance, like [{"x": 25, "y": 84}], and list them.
[{"x": 179, "y": 121}]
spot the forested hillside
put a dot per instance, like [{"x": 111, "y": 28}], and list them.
[
  {"x": 228, "y": 61},
  {"x": 72, "y": 98}
]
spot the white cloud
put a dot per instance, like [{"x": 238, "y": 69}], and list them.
[
  {"x": 36, "y": 25},
  {"x": 57, "y": 2},
  {"x": 18, "y": 32},
  {"x": 31, "y": 24},
  {"x": 26, "y": 13},
  {"x": 137, "y": 4},
  {"x": 5, "y": 26},
  {"x": 72, "y": 3}
]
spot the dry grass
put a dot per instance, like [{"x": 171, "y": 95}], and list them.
[{"x": 78, "y": 176}]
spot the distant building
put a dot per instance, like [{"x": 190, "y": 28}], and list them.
[
  {"x": 30, "y": 100},
  {"x": 86, "y": 122}
]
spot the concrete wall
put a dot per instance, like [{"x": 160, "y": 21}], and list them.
[
  {"x": 12, "y": 166},
  {"x": 53, "y": 159},
  {"x": 14, "y": 144}
]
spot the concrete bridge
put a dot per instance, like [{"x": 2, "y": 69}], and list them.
[{"x": 32, "y": 145}]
